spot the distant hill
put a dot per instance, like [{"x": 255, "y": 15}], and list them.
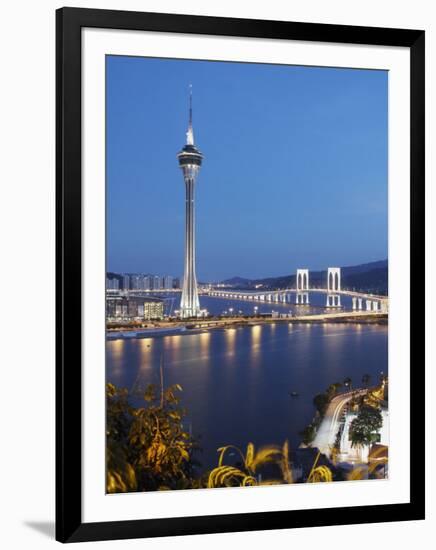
[
  {"x": 370, "y": 277},
  {"x": 237, "y": 281}
]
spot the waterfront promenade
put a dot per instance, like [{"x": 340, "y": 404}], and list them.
[{"x": 167, "y": 328}]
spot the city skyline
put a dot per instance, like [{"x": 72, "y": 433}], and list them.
[{"x": 250, "y": 174}]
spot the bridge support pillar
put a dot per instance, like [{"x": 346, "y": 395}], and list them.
[
  {"x": 375, "y": 305},
  {"x": 384, "y": 306},
  {"x": 354, "y": 300},
  {"x": 333, "y": 285},
  {"x": 302, "y": 298},
  {"x": 360, "y": 303},
  {"x": 333, "y": 300},
  {"x": 302, "y": 286},
  {"x": 368, "y": 305}
]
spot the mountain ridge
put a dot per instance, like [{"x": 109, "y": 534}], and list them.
[{"x": 368, "y": 277}]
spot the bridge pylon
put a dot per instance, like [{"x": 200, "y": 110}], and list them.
[
  {"x": 302, "y": 287},
  {"x": 333, "y": 287}
]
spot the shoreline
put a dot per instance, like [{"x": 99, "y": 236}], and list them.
[{"x": 198, "y": 327}]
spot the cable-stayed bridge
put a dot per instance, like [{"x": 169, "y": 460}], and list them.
[{"x": 361, "y": 301}]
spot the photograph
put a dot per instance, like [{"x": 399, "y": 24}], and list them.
[{"x": 246, "y": 274}]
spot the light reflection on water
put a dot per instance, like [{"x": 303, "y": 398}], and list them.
[{"x": 237, "y": 382}]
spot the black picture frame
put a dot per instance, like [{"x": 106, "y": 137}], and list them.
[{"x": 69, "y": 525}]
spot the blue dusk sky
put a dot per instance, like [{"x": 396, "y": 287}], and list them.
[{"x": 294, "y": 172}]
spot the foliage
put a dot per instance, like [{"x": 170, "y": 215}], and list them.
[
  {"x": 375, "y": 469},
  {"x": 366, "y": 379},
  {"x": 365, "y": 426},
  {"x": 248, "y": 473},
  {"x": 308, "y": 434},
  {"x": 120, "y": 473},
  {"x": 347, "y": 382},
  {"x": 321, "y": 402},
  {"x": 147, "y": 447},
  {"x": 333, "y": 390},
  {"x": 320, "y": 474}
]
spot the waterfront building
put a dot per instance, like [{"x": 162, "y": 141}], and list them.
[
  {"x": 153, "y": 309},
  {"x": 133, "y": 308},
  {"x": 190, "y": 160}
]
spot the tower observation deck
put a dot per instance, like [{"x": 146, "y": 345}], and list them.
[{"x": 190, "y": 160}]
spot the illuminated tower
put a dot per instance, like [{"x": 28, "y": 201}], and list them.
[{"x": 190, "y": 160}]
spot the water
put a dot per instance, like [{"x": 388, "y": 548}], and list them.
[{"x": 237, "y": 382}]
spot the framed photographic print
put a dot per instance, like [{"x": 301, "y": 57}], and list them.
[{"x": 240, "y": 265}]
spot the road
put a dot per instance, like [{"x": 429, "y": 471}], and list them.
[{"x": 326, "y": 434}]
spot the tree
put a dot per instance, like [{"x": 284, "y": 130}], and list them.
[
  {"x": 147, "y": 447},
  {"x": 321, "y": 402},
  {"x": 366, "y": 378},
  {"x": 247, "y": 470},
  {"x": 364, "y": 428},
  {"x": 347, "y": 382},
  {"x": 119, "y": 472},
  {"x": 332, "y": 390},
  {"x": 308, "y": 434}
]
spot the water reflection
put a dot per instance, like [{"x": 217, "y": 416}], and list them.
[
  {"x": 117, "y": 348},
  {"x": 231, "y": 340},
  {"x": 145, "y": 349}
]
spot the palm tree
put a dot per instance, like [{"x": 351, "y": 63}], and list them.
[
  {"x": 251, "y": 462},
  {"x": 366, "y": 378},
  {"x": 247, "y": 473},
  {"x": 347, "y": 382}
]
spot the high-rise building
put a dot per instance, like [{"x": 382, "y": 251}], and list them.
[
  {"x": 157, "y": 282},
  {"x": 126, "y": 281},
  {"x": 168, "y": 282},
  {"x": 147, "y": 282},
  {"x": 176, "y": 283},
  {"x": 190, "y": 160},
  {"x": 136, "y": 282},
  {"x": 112, "y": 284}
]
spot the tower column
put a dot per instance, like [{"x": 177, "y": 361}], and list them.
[{"x": 190, "y": 160}]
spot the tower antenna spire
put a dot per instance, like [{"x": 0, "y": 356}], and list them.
[
  {"x": 190, "y": 132},
  {"x": 190, "y": 104}
]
